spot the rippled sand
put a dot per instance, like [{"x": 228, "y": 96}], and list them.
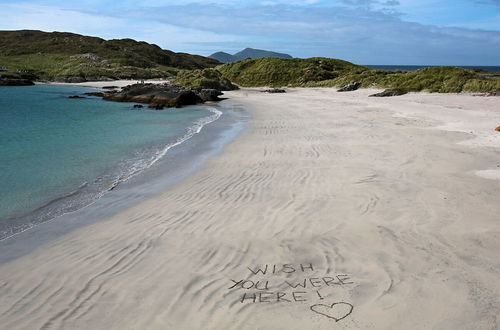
[{"x": 361, "y": 213}]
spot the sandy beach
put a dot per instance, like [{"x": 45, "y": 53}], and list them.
[
  {"x": 115, "y": 83},
  {"x": 330, "y": 211}
]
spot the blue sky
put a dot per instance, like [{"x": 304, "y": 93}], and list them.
[{"x": 453, "y": 32}]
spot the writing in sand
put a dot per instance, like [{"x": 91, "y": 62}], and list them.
[{"x": 264, "y": 284}]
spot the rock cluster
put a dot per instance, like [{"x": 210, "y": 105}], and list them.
[
  {"x": 350, "y": 87},
  {"x": 15, "y": 82},
  {"x": 274, "y": 90},
  {"x": 390, "y": 92},
  {"x": 159, "y": 96},
  {"x": 92, "y": 57},
  {"x": 80, "y": 79},
  {"x": 98, "y": 94}
]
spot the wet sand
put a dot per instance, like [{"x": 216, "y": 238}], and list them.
[{"x": 363, "y": 213}]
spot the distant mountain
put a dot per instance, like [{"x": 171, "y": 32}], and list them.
[
  {"x": 63, "y": 55},
  {"x": 246, "y": 53},
  {"x": 223, "y": 57}
]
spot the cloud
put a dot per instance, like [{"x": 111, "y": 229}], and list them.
[
  {"x": 358, "y": 34},
  {"x": 391, "y": 3},
  {"x": 363, "y": 31},
  {"x": 49, "y": 18}
]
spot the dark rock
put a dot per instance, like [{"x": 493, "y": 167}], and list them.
[
  {"x": 209, "y": 94},
  {"x": 188, "y": 97},
  {"x": 15, "y": 82},
  {"x": 74, "y": 79},
  {"x": 274, "y": 90},
  {"x": 350, "y": 87},
  {"x": 110, "y": 87},
  {"x": 76, "y": 97},
  {"x": 89, "y": 56},
  {"x": 390, "y": 92},
  {"x": 138, "y": 106},
  {"x": 156, "y": 106},
  {"x": 158, "y": 96},
  {"x": 497, "y": 129},
  {"x": 221, "y": 84},
  {"x": 99, "y": 94}
]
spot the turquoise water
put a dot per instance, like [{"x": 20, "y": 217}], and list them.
[{"x": 59, "y": 154}]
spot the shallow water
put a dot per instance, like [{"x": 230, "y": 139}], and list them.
[{"x": 59, "y": 154}]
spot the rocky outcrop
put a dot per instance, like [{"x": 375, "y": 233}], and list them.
[
  {"x": 72, "y": 80},
  {"x": 159, "y": 96},
  {"x": 350, "y": 87},
  {"x": 209, "y": 94},
  {"x": 76, "y": 97},
  {"x": 390, "y": 92},
  {"x": 274, "y": 90},
  {"x": 98, "y": 94},
  {"x": 79, "y": 79},
  {"x": 15, "y": 82}
]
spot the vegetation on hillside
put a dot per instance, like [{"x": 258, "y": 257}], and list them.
[
  {"x": 63, "y": 67},
  {"x": 286, "y": 72},
  {"x": 61, "y": 55},
  {"x": 204, "y": 79},
  {"x": 324, "y": 72},
  {"x": 71, "y": 57}
]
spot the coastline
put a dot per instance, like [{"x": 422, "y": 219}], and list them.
[
  {"x": 378, "y": 194},
  {"x": 175, "y": 163},
  {"x": 101, "y": 84}
]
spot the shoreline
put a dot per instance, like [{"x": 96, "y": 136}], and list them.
[
  {"x": 372, "y": 202},
  {"x": 176, "y": 162},
  {"x": 100, "y": 84}
]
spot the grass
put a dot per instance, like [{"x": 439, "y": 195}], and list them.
[
  {"x": 63, "y": 66},
  {"x": 206, "y": 78},
  {"x": 277, "y": 72},
  {"x": 49, "y": 56},
  {"x": 324, "y": 72}
]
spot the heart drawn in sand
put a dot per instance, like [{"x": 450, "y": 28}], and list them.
[{"x": 336, "y": 311}]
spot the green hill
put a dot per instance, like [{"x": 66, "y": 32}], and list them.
[
  {"x": 325, "y": 72},
  {"x": 62, "y": 55},
  {"x": 72, "y": 57}
]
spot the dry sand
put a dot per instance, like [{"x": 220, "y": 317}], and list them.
[
  {"x": 101, "y": 84},
  {"x": 379, "y": 211}
]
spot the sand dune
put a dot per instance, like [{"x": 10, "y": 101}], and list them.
[{"x": 360, "y": 212}]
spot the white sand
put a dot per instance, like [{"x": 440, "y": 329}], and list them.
[
  {"x": 101, "y": 84},
  {"x": 385, "y": 207}
]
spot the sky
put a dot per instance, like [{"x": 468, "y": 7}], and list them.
[{"x": 419, "y": 32}]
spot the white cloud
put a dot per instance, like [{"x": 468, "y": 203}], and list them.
[{"x": 361, "y": 34}]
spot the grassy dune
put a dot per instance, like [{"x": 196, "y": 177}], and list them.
[{"x": 324, "y": 72}]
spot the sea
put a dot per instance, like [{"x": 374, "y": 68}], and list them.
[
  {"x": 58, "y": 155},
  {"x": 418, "y": 67}
]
